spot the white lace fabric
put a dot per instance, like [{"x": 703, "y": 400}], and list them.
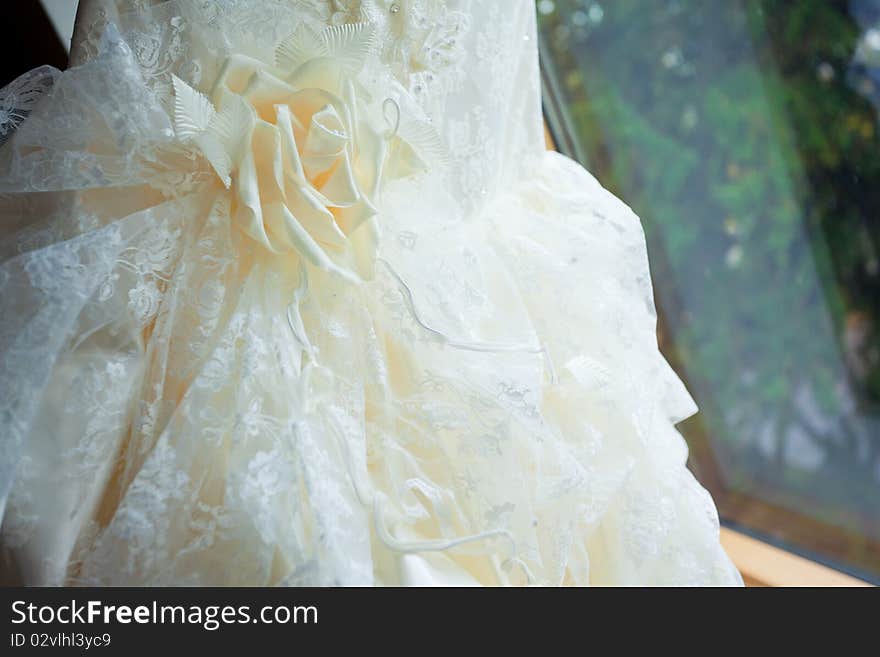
[{"x": 365, "y": 331}]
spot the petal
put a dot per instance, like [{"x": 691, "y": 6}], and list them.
[
  {"x": 370, "y": 159},
  {"x": 320, "y": 73},
  {"x": 327, "y": 133},
  {"x": 351, "y": 218},
  {"x": 341, "y": 188},
  {"x": 320, "y": 223},
  {"x": 264, "y": 91},
  {"x": 351, "y": 114},
  {"x": 266, "y": 148},
  {"x": 300, "y": 239},
  {"x": 288, "y": 143},
  {"x": 306, "y": 102},
  {"x": 249, "y": 214},
  {"x": 325, "y": 142},
  {"x": 235, "y": 75}
]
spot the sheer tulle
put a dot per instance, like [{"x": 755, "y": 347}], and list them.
[{"x": 481, "y": 401}]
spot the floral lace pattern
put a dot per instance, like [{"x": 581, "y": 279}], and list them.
[
  {"x": 468, "y": 392},
  {"x": 18, "y": 99}
]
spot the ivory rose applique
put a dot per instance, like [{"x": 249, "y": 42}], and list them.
[{"x": 302, "y": 148}]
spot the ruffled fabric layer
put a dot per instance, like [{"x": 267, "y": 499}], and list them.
[{"x": 182, "y": 406}]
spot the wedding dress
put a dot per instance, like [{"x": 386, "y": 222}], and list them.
[{"x": 292, "y": 294}]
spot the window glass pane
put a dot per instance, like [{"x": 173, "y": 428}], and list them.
[{"x": 745, "y": 134}]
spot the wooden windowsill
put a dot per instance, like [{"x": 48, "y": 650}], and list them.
[{"x": 762, "y": 564}]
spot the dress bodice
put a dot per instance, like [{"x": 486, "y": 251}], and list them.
[{"x": 470, "y": 66}]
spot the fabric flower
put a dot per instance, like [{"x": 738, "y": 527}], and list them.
[{"x": 303, "y": 149}]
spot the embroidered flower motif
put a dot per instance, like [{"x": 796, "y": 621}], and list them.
[
  {"x": 302, "y": 148},
  {"x": 143, "y": 302},
  {"x": 160, "y": 248},
  {"x": 209, "y": 299}
]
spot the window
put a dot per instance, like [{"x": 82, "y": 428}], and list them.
[{"x": 745, "y": 134}]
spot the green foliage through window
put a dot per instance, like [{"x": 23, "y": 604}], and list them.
[{"x": 745, "y": 134}]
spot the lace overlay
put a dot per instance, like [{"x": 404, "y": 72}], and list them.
[{"x": 377, "y": 337}]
